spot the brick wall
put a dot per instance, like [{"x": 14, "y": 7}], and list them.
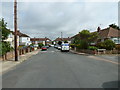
[{"x": 11, "y": 54}]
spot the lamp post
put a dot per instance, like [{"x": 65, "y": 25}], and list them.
[{"x": 15, "y": 29}]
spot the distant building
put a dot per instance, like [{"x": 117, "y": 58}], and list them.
[
  {"x": 40, "y": 40},
  {"x": 63, "y": 39},
  {"x": 74, "y": 37},
  {"x": 109, "y": 33},
  {"x": 24, "y": 40},
  {"x": 104, "y": 34}
]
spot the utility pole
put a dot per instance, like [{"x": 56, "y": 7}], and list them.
[{"x": 15, "y": 29}]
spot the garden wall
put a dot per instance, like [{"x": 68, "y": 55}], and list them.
[{"x": 11, "y": 54}]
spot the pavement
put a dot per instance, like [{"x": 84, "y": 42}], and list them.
[
  {"x": 56, "y": 69},
  {"x": 113, "y": 58},
  {"x": 9, "y": 64}
]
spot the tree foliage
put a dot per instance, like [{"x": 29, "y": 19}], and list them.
[
  {"x": 107, "y": 44},
  {"x": 4, "y": 46},
  {"x": 3, "y": 29},
  {"x": 85, "y": 38},
  {"x": 59, "y": 42},
  {"x": 65, "y": 41},
  {"x": 114, "y": 26},
  {"x": 40, "y": 44}
]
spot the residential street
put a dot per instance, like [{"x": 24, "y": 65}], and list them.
[{"x": 55, "y": 69}]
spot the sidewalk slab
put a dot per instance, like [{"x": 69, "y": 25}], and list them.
[{"x": 9, "y": 64}]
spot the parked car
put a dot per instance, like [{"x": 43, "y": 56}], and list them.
[
  {"x": 47, "y": 46},
  {"x": 59, "y": 48},
  {"x": 55, "y": 46},
  {"x": 65, "y": 47},
  {"x": 52, "y": 45},
  {"x": 44, "y": 48}
]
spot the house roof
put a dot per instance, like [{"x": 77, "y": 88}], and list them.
[
  {"x": 77, "y": 35},
  {"x": 20, "y": 34},
  {"x": 39, "y": 39},
  {"x": 64, "y": 39},
  {"x": 109, "y": 32}
]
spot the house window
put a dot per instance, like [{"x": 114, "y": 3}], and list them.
[{"x": 116, "y": 41}]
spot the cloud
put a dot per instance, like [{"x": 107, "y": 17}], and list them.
[{"x": 49, "y": 19}]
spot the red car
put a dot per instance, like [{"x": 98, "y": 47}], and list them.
[{"x": 44, "y": 48}]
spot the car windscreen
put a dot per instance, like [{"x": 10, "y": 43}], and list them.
[{"x": 65, "y": 44}]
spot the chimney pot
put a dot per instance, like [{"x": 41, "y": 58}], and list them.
[{"x": 98, "y": 29}]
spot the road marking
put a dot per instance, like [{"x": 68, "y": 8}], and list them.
[{"x": 106, "y": 60}]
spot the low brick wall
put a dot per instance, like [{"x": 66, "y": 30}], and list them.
[
  {"x": 11, "y": 54},
  {"x": 96, "y": 52}
]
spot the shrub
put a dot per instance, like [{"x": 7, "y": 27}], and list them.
[
  {"x": 5, "y": 48},
  {"x": 83, "y": 44},
  {"x": 72, "y": 45},
  {"x": 66, "y": 41},
  {"x": 92, "y": 48},
  {"x": 40, "y": 44},
  {"x": 101, "y": 45},
  {"x": 60, "y": 42},
  {"x": 78, "y": 46},
  {"x": 107, "y": 44},
  {"x": 117, "y": 47}
]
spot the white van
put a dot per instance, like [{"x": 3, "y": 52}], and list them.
[{"x": 65, "y": 47}]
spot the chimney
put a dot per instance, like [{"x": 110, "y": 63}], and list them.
[{"x": 98, "y": 29}]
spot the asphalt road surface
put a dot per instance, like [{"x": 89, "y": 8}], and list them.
[{"x": 55, "y": 69}]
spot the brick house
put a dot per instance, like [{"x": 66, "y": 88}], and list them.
[
  {"x": 109, "y": 33},
  {"x": 63, "y": 39},
  {"x": 40, "y": 40}
]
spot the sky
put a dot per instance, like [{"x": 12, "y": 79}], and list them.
[{"x": 48, "y": 19}]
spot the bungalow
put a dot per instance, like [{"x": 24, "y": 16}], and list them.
[
  {"x": 109, "y": 33},
  {"x": 40, "y": 40},
  {"x": 63, "y": 39},
  {"x": 73, "y": 37}
]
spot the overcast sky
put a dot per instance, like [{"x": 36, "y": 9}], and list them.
[{"x": 49, "y": 19}]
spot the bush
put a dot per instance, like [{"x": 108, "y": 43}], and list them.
[
  {"x": 5, "y": 48},
  {"x": 107, "y": 44},
  {"x": 92, "y": 48},
  {"x": 117, "y": 47},
  {"x": 72, "y": 45},
  {"x": 101, "y": 45},
  {"x": 60, "y": 42},
  {"x": 40, "y": 44},
  {"x": 65, "y": 41},
  {"x": 83, "y": 44}
]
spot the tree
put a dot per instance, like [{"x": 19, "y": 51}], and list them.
[
  {"x": 59, "y": 42},
  {"x": 66, "y": 41},
  {"x": 114, "y": 26},
  {"x": 4, "y": 46},
  {"x": 86, "y": 37},
  {"x": 3, "y": 29},
  {"x": 40, "y": 44}
]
